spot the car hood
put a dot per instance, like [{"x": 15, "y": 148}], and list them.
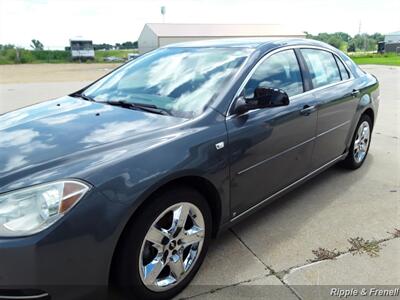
[{"x": 70, "y": 128}]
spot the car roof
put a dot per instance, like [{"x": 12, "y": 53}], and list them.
[{"x": 249, "y": 43}]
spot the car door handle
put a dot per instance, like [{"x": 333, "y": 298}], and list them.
[
  {"x": 355, "y": 93},
  {"x": 307, "y": 110}
]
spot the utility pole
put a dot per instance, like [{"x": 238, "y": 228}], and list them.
[
  {"x": 17, "y": 55},
  {"x": 364, "y": 36},
  {"x": 163, "y": 12},
  {"x": 365, "y": 42}
]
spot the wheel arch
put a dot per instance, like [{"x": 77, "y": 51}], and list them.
[
  {"x": 200, "y": 184},
  {"x": 364, "y": 108},
  {"x": 370, "y": 113}
]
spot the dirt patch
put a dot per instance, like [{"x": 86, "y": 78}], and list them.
[{"x": 53, "y": 72}]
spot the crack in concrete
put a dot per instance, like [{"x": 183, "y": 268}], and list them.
[
  {"x": 271, "y": 270},
  {"x": 285, "y": 272},
  {"x": 225, "y": 287},
  {"x": 340, "y": 254},
  {"x": 387, "y": 135}
]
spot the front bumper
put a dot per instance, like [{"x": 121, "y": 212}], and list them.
[{"x": 73, "y": 254}]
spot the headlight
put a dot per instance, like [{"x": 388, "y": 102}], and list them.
[{"x": 30, "y": 210}]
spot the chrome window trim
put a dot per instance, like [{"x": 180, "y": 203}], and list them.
[{"x": 292, "y": 47}]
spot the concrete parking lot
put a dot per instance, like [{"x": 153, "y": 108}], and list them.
[{"x": 340, "y": 230}]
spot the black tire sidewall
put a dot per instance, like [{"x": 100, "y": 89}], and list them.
[
  {"x": 127, "y": 271},
  {"x": 350, "y": 162}
]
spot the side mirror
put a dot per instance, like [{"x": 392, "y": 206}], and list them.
[{"x": 263, "y": 97}]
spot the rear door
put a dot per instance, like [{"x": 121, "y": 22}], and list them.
[
  {"x": 272, "y": 147},
  {"x": 336, "y": 101}
]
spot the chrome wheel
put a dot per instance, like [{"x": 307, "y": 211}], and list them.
[
  {"x": 171, "y": 246},
  {"x": 361, "y": 142}
]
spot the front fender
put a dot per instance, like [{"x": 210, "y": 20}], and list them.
[{"x": 132, "y": 181}]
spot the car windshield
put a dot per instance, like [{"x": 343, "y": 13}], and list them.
[{"x": 182, "y": 81}]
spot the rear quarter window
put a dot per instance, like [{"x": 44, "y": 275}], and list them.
[
  {"x": 355, "y": 69},
  {"x": 343, "y": 71}
]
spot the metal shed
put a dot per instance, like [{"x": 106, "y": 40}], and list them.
[
  {"x": 392, "y": 42},
  {"x": 393, "y": 37},
  {"x": 155, "y": 35}
]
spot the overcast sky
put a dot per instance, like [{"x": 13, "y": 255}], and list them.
[{"x": 53, "y": 22}]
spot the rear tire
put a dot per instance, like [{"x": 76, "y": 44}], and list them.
[
  {"x": 359, "y": 145},
  {"x": 138, "y": 257}
]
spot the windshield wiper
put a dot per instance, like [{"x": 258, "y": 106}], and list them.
[
  {"x": 83, "y": 96},
  {"x": 138, "y": 106}
]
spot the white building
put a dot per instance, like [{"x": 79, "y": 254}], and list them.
[{"x": 155, "y": 35}]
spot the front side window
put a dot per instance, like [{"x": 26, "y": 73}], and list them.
[
  {"x": 322, "y": 66},
  {"x": 182, "y": 81},
  {"x": 280, "y": 71}
]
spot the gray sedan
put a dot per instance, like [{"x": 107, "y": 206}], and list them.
[{"x": 123, "y": 183}]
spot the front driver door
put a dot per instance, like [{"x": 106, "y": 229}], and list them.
[{"x": 272, "y": 147}]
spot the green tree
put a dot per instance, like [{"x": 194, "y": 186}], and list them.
[
  {"x": 351, "y": 47},
  {"x": 343, "y": 36},
  {"x": 103, "y": 46},
  {"x": 335, "y": 41},
  {"x": 358, "y": 41},
  {"x": 378, "y": 37},
  {"x": 343, "y": 41},
  {"x": 364, "y": 42},
  {"x": 37, "y": 45},
  {"x": 7, "y": 46},
  {"x": 127, "y": 45}
]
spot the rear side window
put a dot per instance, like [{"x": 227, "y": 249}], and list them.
[
  {"x": 343, "y": 72},
  {"x": 281, "y": 71},
  {"x": 322, "y": 66}
]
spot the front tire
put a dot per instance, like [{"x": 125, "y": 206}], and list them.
[
  {"x": 164, "y": 245},
  {"x": 360, "y": 144}
]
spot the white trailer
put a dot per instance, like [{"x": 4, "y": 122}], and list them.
[{"x": 81, "y": 49}]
